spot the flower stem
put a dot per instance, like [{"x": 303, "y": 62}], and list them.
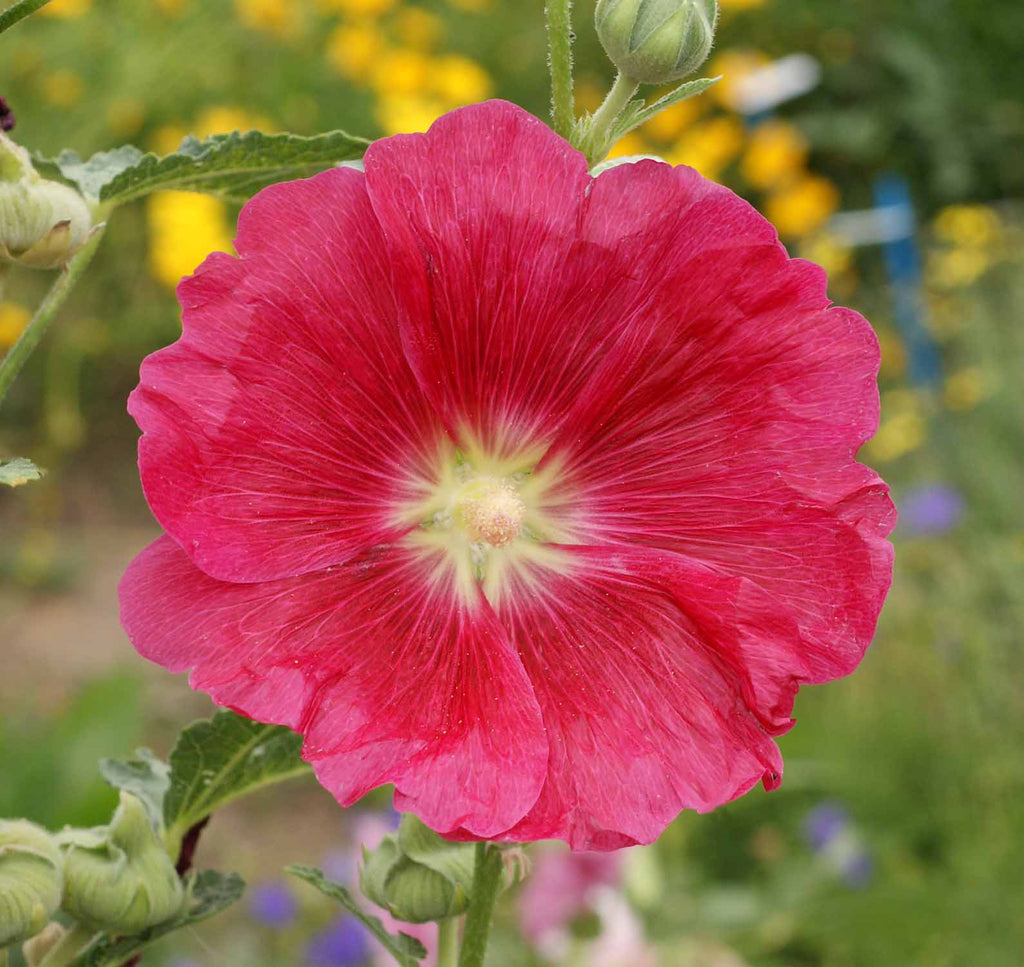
[
  {"x": 12, "y": 363},
  {"x": 448, "y": 942},
  {"x": 69, "y": 947},
  {"x": 19, "y": 10},
  {"x": 563, "y": 109},
  {"x": 487, "y": 873},
  {"x": 602, "y": 124}
]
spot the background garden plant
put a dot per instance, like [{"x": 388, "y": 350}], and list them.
[{"x": 902, "y": 811}]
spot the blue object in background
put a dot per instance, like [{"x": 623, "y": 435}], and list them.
[
  {"x": 930, "y": 510},
  {"x": 273, "y": 905},
  {"x": 903, "y": 265},
  {"x": 343, "y": 944}
]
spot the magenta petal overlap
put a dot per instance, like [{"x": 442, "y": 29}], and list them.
[{"x": 533, "y": 494}]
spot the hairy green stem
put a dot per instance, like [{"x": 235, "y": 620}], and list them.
[
  {"x": 488, "y": 870},
  {"x": 563, "y": 108},
  {"x": 448, "y": 942},
  {"x": 18, "y": 11},
  {"x": 69, "y": 947},
  {"x": 12, "y": 363},
  {"x": 602, "y": 124}
]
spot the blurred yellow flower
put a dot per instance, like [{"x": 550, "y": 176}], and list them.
[
  {"x": 223, "y": 118},
  {"x": 802, "y": 206},
  {"x": 173, "y": 8},
  {"x": 966, "y": 388},
  {"x": 166, "y": 138},
  {"x": 831, "y": 253},
  {"x": 958, "y": 267},
  {"x": 670, "y": 123},
  {"x": 67, "y": 9},
  {"x": 897, "y": 437},
  {"x": 975, "y": 225},
  {"x": 472, "y": 6},
  {"x": 357, "y": 8},
  {"x": 776, "y": 151},
  {"x": 733, "y": 66},
  {"x": 399, "y": 72},
  {"x": 13, "y": 320},
  {"x": 125, "y": 116},
  {"x": 629, "y": 145},
  {"x": 417, "y": 28},
  {"x": 405, "y": 114},
  {"x": 352, "y": 49},
  {"x": 740, "y": 4},
  {"x": 62, "y": 88},
  {"x": 183, "y": 229},
  {"x": 894, "y": 355},
  {"x": 274, "y": 17},
  {"x": 709, "y": 146},
  {"x": 457, "y": 80}
]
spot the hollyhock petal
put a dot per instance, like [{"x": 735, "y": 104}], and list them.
[
  {"x": 381, "y": 663},
  {"x": 724, "y": 423},
  {"x": 504, "y": 310},
  {"x": 283, "y": 432},
  {"x": 659, "y": 682}
]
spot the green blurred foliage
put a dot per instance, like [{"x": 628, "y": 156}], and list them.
[{"x": 48, "y": 765}]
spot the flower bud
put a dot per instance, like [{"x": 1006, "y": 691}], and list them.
[
  {"x": 119, "y": 878},
  {"x": 417, "y": 876},
  {"x": 30, "y": 880},
  {"x": 657, "y": 41},
  {"x": 42, "y": 223}
]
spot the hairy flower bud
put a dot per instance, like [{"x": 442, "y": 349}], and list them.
[
  {"x": 119, "y": 877},
  {"x": 42, "y": 223},
  {"x": 30, "y": 880},
  {"x": 417, "y": 876},
  {"x": 657, "y": 41}
]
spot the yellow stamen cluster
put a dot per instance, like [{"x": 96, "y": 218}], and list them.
[{"x": 490, "y": 510}]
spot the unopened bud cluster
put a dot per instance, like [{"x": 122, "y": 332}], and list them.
[
  {"x": 115, "y": 878},
  {"x": 657, "y": 41},
  {"x": 42, "y": 223}
]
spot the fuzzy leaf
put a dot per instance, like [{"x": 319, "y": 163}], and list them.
[
  {"x": 92, "y": 174},
  {"x": 210, "y": 893},
  {"x": 217, "y": 760},
  {"x": 233, "y": 166},
  {"x": 18, "y": 471},
  {"x": 145, "y": 776},
  {"x": 406, "y": 950}
]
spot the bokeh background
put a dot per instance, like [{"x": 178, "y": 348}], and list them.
[{"x": 898, "y": 835}]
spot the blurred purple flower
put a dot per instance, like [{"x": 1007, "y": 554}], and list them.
[
  {"x": 829, "y": 832},
  {"x": 858, "y": 869},
  {"x": 825, "y": 823},
  {"x": 273, "y": 905},
  {"x": 930, "y": 510},
  {"x": 345, "y": 943}
]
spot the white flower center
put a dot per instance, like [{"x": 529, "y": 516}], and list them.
[{"x": 489, "y": 509}]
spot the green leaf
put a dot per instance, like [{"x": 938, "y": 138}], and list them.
[
  {"x": 18, "y": 471},
  {"x": 93, "y": 174},
  {"x": 636, "y": 114},
  {"x": 406, "y": 950},
  {"x": 210, "y": 892},
  {"x": 145, "y": 776},
  {"x": 218, "y": 760},
  {"x": 18, "y": 11},
  {"x": 232, "y": 166},
  {"x": 454, "y": 861}
]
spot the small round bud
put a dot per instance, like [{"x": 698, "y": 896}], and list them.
[
  {"x": 417, "y": 876},
  {"x": 657, "y": 41},
  {"x": 30, "y": 880},
  {"x": 119, "y": 878},
  {"x": 42, "y": 223}
]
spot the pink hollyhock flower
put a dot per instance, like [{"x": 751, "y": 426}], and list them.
[{"x": 531, "y": 493}]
